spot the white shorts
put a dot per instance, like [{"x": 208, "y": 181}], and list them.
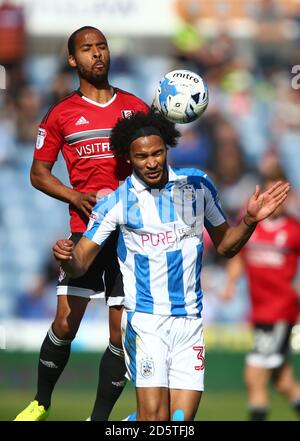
[{"x": 164, "y": 351}]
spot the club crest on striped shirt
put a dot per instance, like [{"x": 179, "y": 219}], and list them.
[
  {"x": 147, "y": 368},
  {"x": 92, "y": 219},
  {"x": 189, "y": 193}
]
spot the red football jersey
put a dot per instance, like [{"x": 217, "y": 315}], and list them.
[
  {"x": 80, "y": 128},
  {"x": 271, "y": 257}
]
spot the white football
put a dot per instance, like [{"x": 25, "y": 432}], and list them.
[{"x": 182, "y": 96}]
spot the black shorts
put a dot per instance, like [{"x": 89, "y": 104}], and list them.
[
  {"x": 271, "y": 345},
  {"x": 103, "y": 278}
]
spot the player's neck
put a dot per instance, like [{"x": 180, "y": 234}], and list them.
[{"x": 99, "y": 95}]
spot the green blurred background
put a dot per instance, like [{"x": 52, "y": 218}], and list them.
[{"x": 223, "y": 400}]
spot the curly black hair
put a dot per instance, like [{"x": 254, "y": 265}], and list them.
[
  {"x": 124, "y": 131},
  {"x": 72, "y": 38}
]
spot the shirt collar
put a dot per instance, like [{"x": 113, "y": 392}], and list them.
[{"x": 140, "y": 185}]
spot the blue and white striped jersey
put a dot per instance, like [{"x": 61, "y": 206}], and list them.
[{"x": 160, "y": 242}]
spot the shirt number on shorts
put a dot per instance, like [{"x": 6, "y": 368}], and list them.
[{"x": 200, "y": 356}]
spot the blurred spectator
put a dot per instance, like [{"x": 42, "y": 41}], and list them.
[
  {"x": 7, "y": 129},
  {"x": 270, "y": 260},
  {"x": 62, "y": 85},
  {"x": 188, "y": 42},
  {"x": 7, "y": 136},
  {"x": 28, "y": 115},
  {"x": 246, "y": 102},
  {"x": 214, "y": 278},
  {"x": 270, "y": 34},
  {"x": 201, "y": 54},
  {"x": 193, "y": 148},
  {"x": 286, "y": 123},
  {"x": 37, "y": 301},
  {"x": 33, "y": 302},
  {"x": 233, "y": 178},
  {"x": 270, "y": 165},
  {"x": 12, "y": 37}
]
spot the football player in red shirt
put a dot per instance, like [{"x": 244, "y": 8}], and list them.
[
  {"x": 270, "y": 260},
  {"x": 79, "y": 126}
]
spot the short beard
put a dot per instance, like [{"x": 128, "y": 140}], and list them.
[{"x": 94, "y": 79}]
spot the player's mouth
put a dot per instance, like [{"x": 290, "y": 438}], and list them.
[
  {"x": 99, "y": 66},
  {"x": 154, "y": 174}
]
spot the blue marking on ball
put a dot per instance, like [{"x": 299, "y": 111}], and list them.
[{"x": 167, "y": 90}]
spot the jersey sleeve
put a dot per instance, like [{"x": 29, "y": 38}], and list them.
[
  {"x": 213, "y": 213},
  {"x": 104, "y": 219},
  {"x": 140, "y": 106},
  {"x": 144, "y": 107},
  {"x": 49, "y": 138}
]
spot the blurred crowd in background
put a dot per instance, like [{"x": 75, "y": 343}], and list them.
[{"x": 252, "y": 124}]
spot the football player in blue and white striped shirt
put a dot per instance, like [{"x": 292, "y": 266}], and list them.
[{"x": 160, "y": 213}]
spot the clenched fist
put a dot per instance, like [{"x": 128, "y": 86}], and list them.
[{"x": 63, "y": 249}]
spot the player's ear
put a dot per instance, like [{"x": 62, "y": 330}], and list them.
[{"x": 72, "y": 61}]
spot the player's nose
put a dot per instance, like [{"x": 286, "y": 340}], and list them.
[
  {"x": 152, "y": 163},
  {"x": 96, "y": 52}
]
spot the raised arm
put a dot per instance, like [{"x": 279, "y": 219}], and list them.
[
  {"x": 229, "y": 240},
  {"x": 42, "y": 178}
]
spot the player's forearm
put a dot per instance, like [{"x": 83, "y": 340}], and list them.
[
  {"x": 75, "y": 260},
  {"x": 236, "y": 237},
  {"x": 235, "y": 268},
  {"x": 73, "y": 267},
  {"x": 52, "y": 186}
]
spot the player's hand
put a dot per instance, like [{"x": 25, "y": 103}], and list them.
[
  {"x": 85, "y": 202},
  {"x": 262, "y": 205},
  {"x": 63, "y": 249}
]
